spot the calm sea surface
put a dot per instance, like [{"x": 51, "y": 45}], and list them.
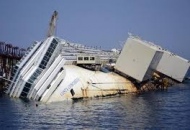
[{"x": 153, "y": 110}]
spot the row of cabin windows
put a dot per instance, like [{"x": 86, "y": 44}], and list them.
[
  {"x": 16, "y": 68},
  {"x": 44, "y": 60},
  {"x": 42, "y": 66},
  {"x": 28, "y": 84},
  {"x": 48, "y": 54},
  {"x": 86, "y": 58},
  {"x": 35, "y": 75},
  {"x": 13, "y": 72}
]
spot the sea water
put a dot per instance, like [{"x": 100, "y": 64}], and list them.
[{"x": 168, "y": 109}]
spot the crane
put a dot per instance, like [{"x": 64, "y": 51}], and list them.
[{"x": 52, "y": 24}]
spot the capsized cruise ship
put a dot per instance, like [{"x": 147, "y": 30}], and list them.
[{"x": 56, "y": 70}]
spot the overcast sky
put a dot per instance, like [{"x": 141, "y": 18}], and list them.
[{"x": 104, "y": 23}]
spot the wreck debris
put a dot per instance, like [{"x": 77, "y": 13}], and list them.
[{"x": 139, "y": 59}]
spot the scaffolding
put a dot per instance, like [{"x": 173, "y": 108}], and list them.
[{"x": 9, "y": 55}]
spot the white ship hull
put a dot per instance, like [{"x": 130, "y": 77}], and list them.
[{"x": 86, "y": 83}]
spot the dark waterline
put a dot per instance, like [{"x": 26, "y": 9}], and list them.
[{"x": 153, "y": 110}]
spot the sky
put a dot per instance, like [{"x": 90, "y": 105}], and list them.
[{"x": 104, "y": 23}]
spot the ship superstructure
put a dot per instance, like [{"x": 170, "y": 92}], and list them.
[
  {"x": 32, "y": 65},
  {"x": 139, "y": 59},
  {"x": 43, "y": 66}
]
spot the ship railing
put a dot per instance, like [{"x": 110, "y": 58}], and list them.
[
  {"x": 70, "y": 58},
  {"x": 26, "y": 53},
  {"x": 70, "y": 62},
  {"x": 81, "y": 50},
  {"x": 80, "y": 47}
]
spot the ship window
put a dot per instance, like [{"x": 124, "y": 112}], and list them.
[
  {"x": 54, "y": 41},
  {"x": 43, "y": 62},
  {"x": 26, "y": 90},
  {"x": 30, "y": 80},
  {"x": 48, "y": 58},
  {"x": 35, "y": 74},
  {"x": 80, "y": 58},
  {"x": 41, "y": 66},
  {"x": 33, "y": 77},
  {"x": 48, "y": 86},
  {"x": 51, "y": 45},
  {"x": 48, "y": 54},
  {"x": 92, "y": 58},
  {"x": 61, "y": 69},
  {"x": 23, "y": 94},
  {"x": 85, "y": 58},
  {"x": 51, "y": 50},
  {"x": 72, "y": 92},
  {"x": 38, "y": 71},
  {"x": 45, "y": 58},
  {"x": 28, "y": 85}
]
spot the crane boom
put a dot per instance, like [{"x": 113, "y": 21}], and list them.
[{"x": 52, "y": 24}]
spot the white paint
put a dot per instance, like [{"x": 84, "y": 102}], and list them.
[{"x": 136, "y": 59}]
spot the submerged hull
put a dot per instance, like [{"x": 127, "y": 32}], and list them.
[{"x": 82, "y": 83}]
